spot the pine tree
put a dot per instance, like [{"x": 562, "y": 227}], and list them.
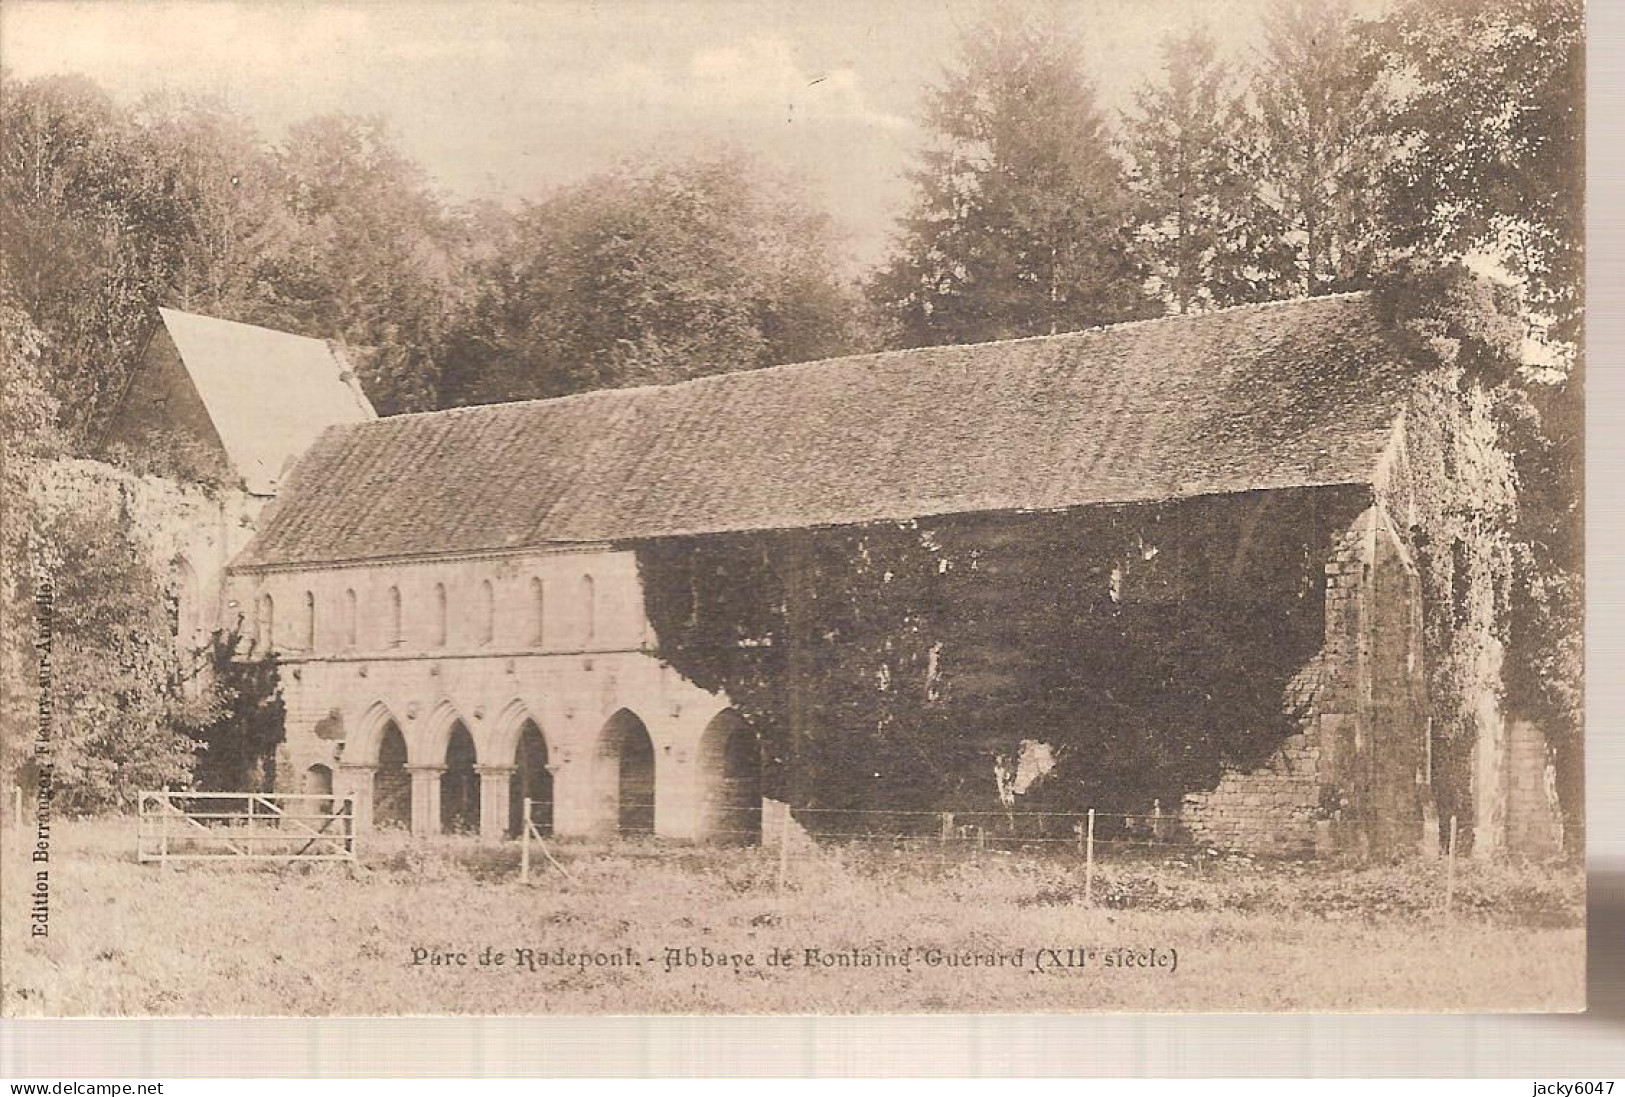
[
  {"x": 1322, "y": 148},
  {"x": 1199, "y": 220},
  {"x": 1021, "y": 222}
]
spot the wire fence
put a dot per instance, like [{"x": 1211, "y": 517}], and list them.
[
  {"x": 782, "y": 847},
  {"x": 1084, "y": 844}
]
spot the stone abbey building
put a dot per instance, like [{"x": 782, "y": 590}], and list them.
[{"x": 456, "y": 602}]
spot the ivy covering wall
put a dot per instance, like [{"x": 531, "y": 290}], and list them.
[
  {"x": 129, "y": 708},
  {"x": 896, "y": 665}
]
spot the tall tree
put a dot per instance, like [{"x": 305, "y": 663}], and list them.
[
  {"x": 88, "y": 241},
  {"x": 367, "y": 257},
  {"x": 1491, "y": 128},
  {"x": 213, "y": 166},
  {"x": 1492, "y": 131},
  {"x": 1318, "y": 94},
  {"x": 1201, "y": 233},
  {"x": 1021, "y": 223},
  {"x": 652, "y": 275}
]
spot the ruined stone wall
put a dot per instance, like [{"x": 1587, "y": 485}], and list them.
[
  {"x": 193, "y": 532},
  {"x": 1355, "y": 777},
  {"x": 1534, "y": 821}
]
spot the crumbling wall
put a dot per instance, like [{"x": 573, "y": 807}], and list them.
[
  {"x": 1354, "y": 778},
  {"x": 1450, "y": 485},
  {"x": 1534, "y": 820}
]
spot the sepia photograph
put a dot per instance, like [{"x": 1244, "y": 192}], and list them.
[{"x": 704, "y": 508}]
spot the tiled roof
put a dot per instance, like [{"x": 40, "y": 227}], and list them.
[
  {"x": 1290, "y": 394},
  {"x": 269, "y": 394}
]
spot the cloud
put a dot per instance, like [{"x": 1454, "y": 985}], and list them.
[{"x": 762, "y": 75}]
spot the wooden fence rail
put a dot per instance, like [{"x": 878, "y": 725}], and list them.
[{"x": 252, "y": 826}]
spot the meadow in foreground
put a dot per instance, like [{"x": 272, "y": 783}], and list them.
[{"x": 631, "y": 928}]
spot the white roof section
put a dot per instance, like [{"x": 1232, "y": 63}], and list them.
[{"x": 269, "y": 393}]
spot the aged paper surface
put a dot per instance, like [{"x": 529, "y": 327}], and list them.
[{"x": 683, "y": 509}]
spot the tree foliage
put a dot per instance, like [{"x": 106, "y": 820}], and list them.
[
  {"x": 1490, "y": 124},
  {"x": 1321, "y": 148},
  {"x": 237, "y": 744},
  {"x": 652, "y": 275},
  {"x": 121, "y": 721},
  {"x": 1021, "y": 223},
  {"x": 1201, "y": 233}
]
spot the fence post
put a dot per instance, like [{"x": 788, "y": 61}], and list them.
[
  {"x": 1089, "y": 861},
  {"x": 524, "y": 842},
  {"x": 1450, "y": 874},
  {"x": 947, "y": 826},
  {"x": 163, "y": 831},
  {"x": 784, "y": 846}
]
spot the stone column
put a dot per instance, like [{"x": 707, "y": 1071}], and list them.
[
  {"x": 574, "y": 797},
  {"x": 426, "y": 798},
  {"x": 494, "y": 788},
  {"x": 355, "y": 781},
  {"x": 678, "y": 790}
]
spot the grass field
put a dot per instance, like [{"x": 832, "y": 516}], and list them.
[{"x": 132, "y": 939}]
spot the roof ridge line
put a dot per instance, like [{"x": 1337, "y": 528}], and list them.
[{"x": 782, "y": 367}]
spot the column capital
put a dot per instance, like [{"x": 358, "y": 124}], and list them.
[
  {"x": 426, "y": 767},
  {"x": 494, "y": 770}
]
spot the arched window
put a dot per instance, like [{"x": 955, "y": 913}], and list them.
[
  {"x": 349, "y": 618},
  {"x": 310, "y": 620},
  {"x": 393, "y": 636},
  {"x": 266, "y": 630},
  {"x": 440, "y": 615},
  {"x": 488, "y": 612},
  {"x": 589, "y": 610},
  {"x": 538, "y": 613}
]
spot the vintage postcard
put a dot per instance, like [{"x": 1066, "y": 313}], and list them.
[{"x": 704, "y": 508}]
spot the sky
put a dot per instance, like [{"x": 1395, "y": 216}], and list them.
[{"x": 510, "y": 100}]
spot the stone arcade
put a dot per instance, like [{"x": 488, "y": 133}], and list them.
[{"x": 455, "y": 599}]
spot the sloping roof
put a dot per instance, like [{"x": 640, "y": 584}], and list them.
[
  {"x": 269, "y": 394},
  {"x": 1284, "y": 395}
]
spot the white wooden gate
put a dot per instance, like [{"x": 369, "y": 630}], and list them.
[{"x": 252, "y": 826}]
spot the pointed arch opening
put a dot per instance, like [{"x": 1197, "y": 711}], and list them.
[
  {"x": 460, "y": 784},
  {"x": 730, "y": 774},
  {"x": 392, "y": 782},
  {"x": 624, "y": 775},
  {"x": 538, "y": 613},
  {"x": 265, "y": 625},
  {"x": 531, "y": 778}
]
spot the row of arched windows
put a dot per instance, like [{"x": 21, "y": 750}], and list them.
[{"x": 393, "y": 634}]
